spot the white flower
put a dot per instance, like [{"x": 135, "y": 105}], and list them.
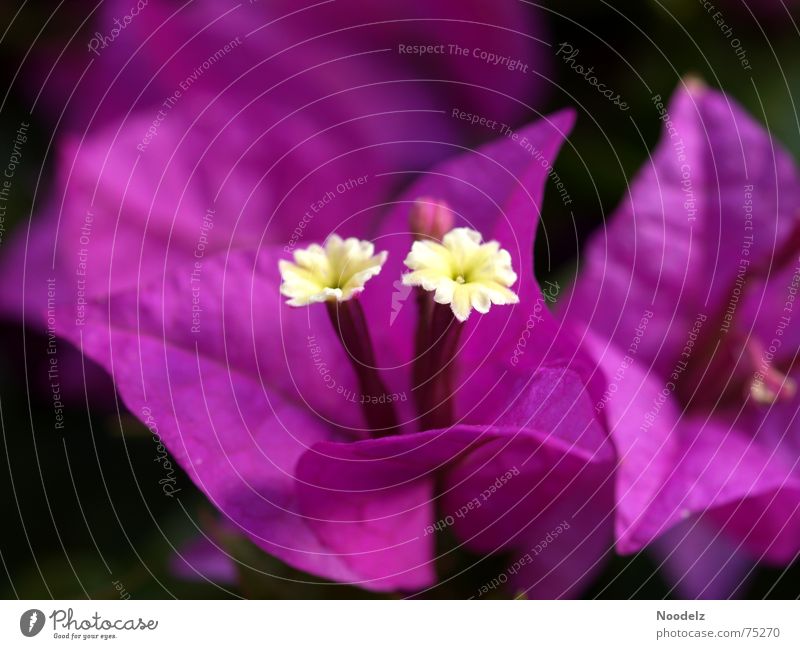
[
  {"x": 337, "y": 271},
  {"x": 463, "y": 272}
]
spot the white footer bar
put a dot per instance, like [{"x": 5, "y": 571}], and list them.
[{"x": 387, "y": 624}]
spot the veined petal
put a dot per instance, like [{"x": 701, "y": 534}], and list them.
[
  {"x": 692, "y": 212},
  {"x": 552, "y": 458},
  {"x": 238, "y": 402}
]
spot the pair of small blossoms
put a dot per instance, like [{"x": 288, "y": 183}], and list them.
[
  {"x": 461, "y": 271},
  {"x": 454, "y": 272}
]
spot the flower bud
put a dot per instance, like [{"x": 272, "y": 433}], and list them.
[{"x": 430, "y": 219}]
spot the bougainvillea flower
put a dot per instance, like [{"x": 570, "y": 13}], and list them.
[
  {"x": 343, "y": 431},
  {"x": 689, "y": 298},
  {"x": 212, "y": 125}
]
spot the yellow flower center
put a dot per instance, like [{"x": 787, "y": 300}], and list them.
[
  {"x": 336, "y": 272},
  {"x": 462, "y": 271}
]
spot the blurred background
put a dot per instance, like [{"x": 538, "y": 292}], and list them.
[{"x": 88, "y": 518}]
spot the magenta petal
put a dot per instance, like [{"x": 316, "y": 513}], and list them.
[
  {"x": 371, "y": 523},
  {"x": 372, "y": 36},
  {"x": 288, "y": 117},
  {"x": 701, "y": 562},
  {"x": 741, "y": 484},
  {"x": 768, "y": 523},
  {"x": 230, "y": 312},
  {"x": 377, "y": 494},
  {"x": 548, "y": 476},
  {"x": 496, "y": 189},
  {"x": 674, "y": 466},
  {"x": 207, "y": 157},
  {"x": 766, "y": 303},
  {"x": 152, "y": 55},
  {"x": 683, "y": 219},
  {"x": 754, "y": 493},
  {"x": 778, "y": 426},
  {"x": 643, "y": 436},
  {"x": 371, "y": 501},
  {"x": 238, "y": 444},
  {"x": 514, "y": 30},
  {"x": 717, "y": 201},
  {"x": 224, "y": 401}
]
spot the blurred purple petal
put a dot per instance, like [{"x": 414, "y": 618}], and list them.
[
  {"x": 200, "y": 559},
  {"x": 701, "y": 562}
]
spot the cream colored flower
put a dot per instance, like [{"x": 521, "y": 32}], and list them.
[
  {"x": 463, "y": 272},
  {"x": 337, "y": 271}
]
